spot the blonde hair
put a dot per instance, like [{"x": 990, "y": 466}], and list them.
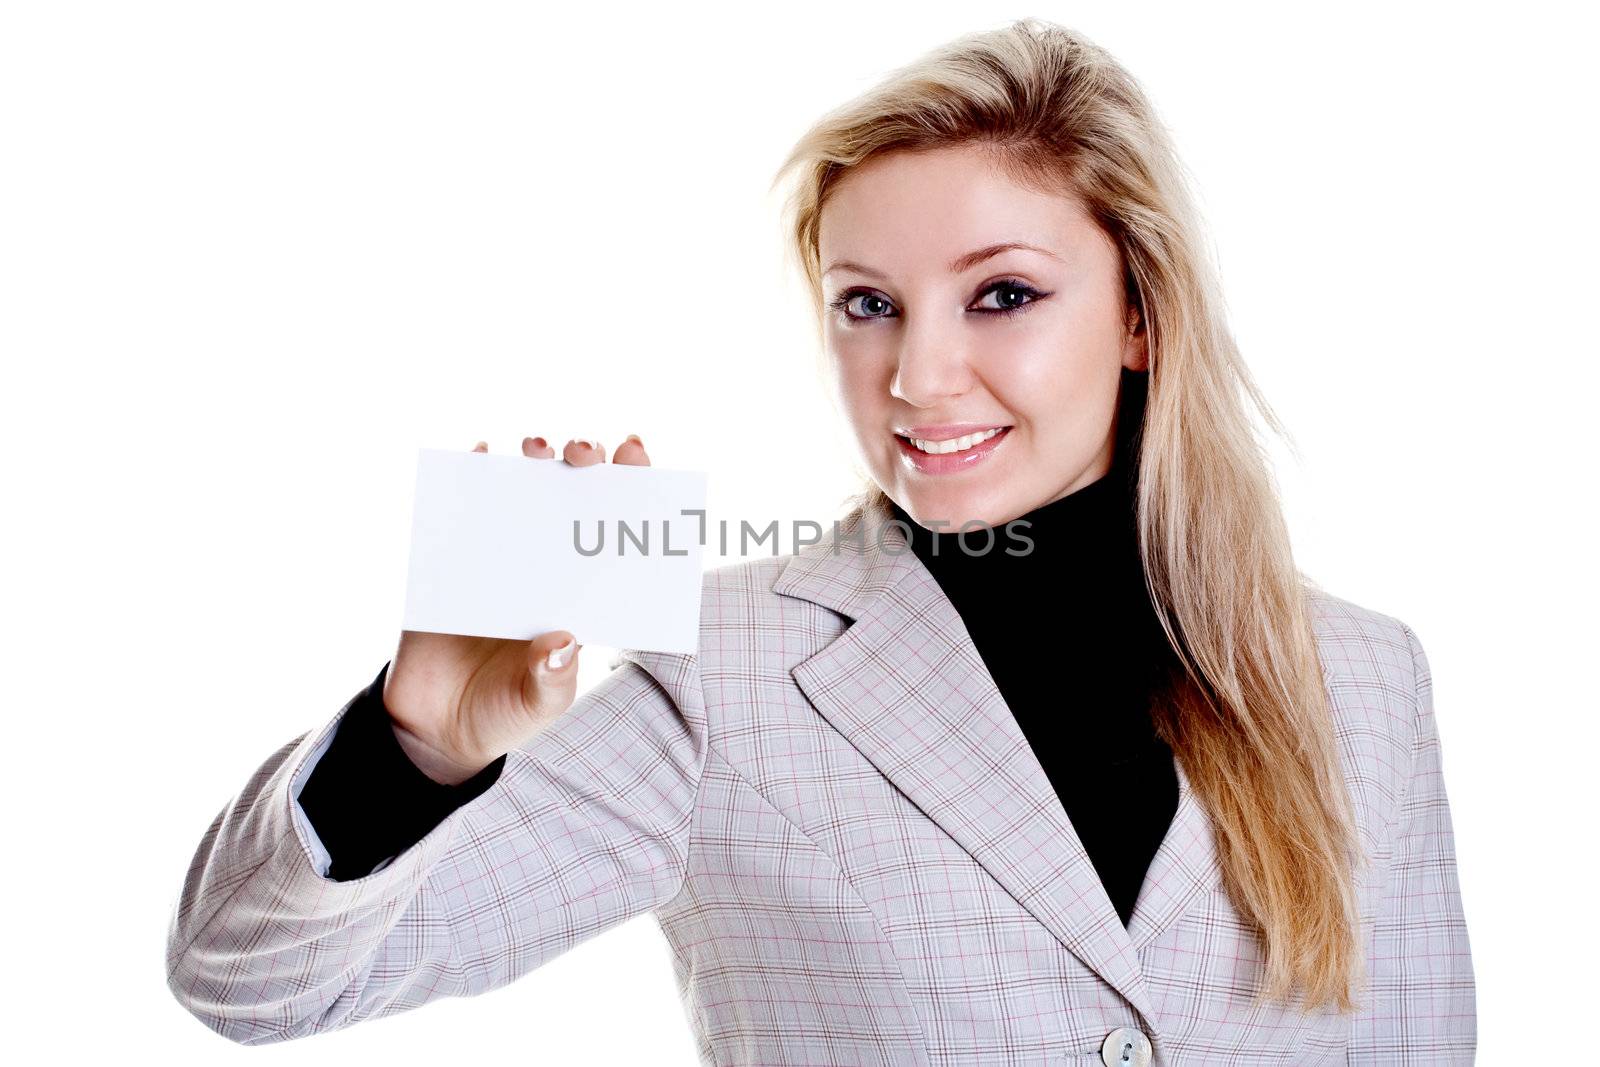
[{"x": 1247, "y": 713}]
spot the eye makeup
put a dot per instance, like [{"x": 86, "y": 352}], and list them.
[{"x": 841, "y": 303}]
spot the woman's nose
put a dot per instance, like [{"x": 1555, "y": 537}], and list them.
[{"x": 929, "y": 371}]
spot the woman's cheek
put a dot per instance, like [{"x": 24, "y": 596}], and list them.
[
  {"x": 862, "y": 398},
  {"x": 1048, "y": 366},
  {"x": 863, "y": 376},
  {"x": 1027, "y": 372}
]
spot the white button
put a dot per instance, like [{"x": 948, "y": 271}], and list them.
[{"x": 1126, "y": 1047}]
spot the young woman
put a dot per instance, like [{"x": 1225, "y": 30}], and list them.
[{"x": 1047, "y": 754}]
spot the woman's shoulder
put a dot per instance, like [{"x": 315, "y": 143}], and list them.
[
  {"x": 745, "y": 621},
  {"x": 1379, "y": 690},
  {"x": 1361, "y": 644},
  {"x": 749, "y": 607},
  {"x": 781, "y": 608}
]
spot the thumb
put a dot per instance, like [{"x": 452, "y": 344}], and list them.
[{"x": 552, "y": 676}]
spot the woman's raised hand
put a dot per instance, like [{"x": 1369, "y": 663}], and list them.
[{"x": 458, "y": 703}]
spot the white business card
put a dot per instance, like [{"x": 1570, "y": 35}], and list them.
[{"x": 512, "y": 547}]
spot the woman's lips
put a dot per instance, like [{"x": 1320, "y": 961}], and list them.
[{"x": 949, "y": 463}]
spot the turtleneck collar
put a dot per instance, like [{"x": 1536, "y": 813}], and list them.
[{"x": 1082, "y": 529}]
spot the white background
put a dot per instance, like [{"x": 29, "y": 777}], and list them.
[{"x": 254, "y": 256}]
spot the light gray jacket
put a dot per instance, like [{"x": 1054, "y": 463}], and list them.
[{"x": 853, "y": 852}]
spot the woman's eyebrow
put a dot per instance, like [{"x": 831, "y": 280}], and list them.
[
  {"x": 961, "y": 263},
  {"x": 973, "y": 258}
]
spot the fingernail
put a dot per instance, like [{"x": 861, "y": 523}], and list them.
[
  {"x": 635, "y": 438},
  {"x": 539, "y": 442},
  {"x": 586, "y": 441},
  {"x": 558, "y": 657}
]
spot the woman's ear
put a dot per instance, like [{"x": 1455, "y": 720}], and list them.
[{"x": 1135, "y": 348}]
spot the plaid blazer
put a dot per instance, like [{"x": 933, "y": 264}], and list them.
[{"x": 853, "y": 852}]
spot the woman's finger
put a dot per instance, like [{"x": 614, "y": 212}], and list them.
[
  {"x": 583, "y": 452},
  {"x": 481, "y": 446},
  {"x": 632, "y": 452},
  {"x": 551, "y": 680},
  {"x": 537, "y": 448}
]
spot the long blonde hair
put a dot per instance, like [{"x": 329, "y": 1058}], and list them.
[{"x": 1247, "y": 714}]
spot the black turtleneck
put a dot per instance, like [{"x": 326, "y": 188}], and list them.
[{"x": 1071, "y": 638}]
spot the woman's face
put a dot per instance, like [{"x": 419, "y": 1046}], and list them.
[{"x": 934, "y": 331}]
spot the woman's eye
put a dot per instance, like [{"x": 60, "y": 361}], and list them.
[
  {"x": 1009, "y": 297},
  {"x": 862, "y": 305}
]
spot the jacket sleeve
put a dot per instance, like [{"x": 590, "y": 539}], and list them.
[
  {"x": 586, "y": 827},
  {"x": 1420, "y": 1002}
]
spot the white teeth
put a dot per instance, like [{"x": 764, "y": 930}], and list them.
[{"x": 957, "y": 444}]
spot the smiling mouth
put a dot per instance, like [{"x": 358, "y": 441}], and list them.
[{"x": 952, "y": 445}]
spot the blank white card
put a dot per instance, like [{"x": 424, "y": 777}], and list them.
[{"x": 512, "y": 547}]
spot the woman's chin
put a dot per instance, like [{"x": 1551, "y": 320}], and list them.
[{"x": 944, "y": 509}]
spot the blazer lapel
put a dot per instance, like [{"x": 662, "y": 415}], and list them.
[
  {"x": 906, "y": 685},
  {"x": 1184, "y": 866}
]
